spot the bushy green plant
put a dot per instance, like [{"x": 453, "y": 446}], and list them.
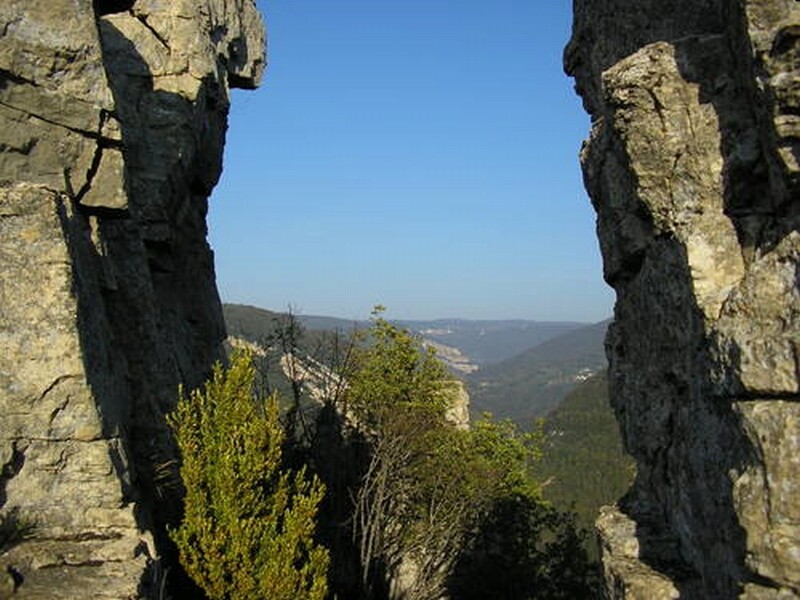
[
  {"x": 396, "y": 397},
  {"x": 429, "y": 483},
  {"x": 248, "y": 527},
  {"x": 460, "y": 508}
]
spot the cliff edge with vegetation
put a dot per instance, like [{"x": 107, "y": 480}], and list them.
[
  {"x": 112, "y": 124},
  {"x": 693, "y": 166}
]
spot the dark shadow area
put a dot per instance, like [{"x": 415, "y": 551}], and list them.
[
  {"x": 524, "y": 550},
  {"x": 164, "y": 312},
  {"x": 106, "y": 7},
  {"x": 339, "y": 458},
  {"x": 687, "y": 443},
  {"x": 751, "y": 198},
  {"x": 622, "y": 28},
  {"x": 14, "y": 528},
  {"x": 760, "y": 195},
  {"x": 9, "y": 470}
]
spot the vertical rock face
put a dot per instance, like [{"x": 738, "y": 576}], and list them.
[
  {"x": 693, "y": 167},
  {"x": 112, "y": 124}
]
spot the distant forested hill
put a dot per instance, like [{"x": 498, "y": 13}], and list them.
[
  {"x": 490, "y": 342},
  {"x": 531, "y": 383},
  {"x": 584, "y": 460},
  {"x": 483, "y": 342},
  {"x": 321, "y": 341},
  {"x": 249, "y": 322},
  {"x": 254, "y": 323},
  {"x": 549, "y": 357}
]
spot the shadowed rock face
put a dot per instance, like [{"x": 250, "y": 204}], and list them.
[
  {"x": 112, "y": 126},
  {"x": 693, "y": 168}
]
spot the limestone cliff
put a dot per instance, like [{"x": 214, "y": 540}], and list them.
[
  {"x": 112, "y": 124},
  {"x": 693, "y": 167}
]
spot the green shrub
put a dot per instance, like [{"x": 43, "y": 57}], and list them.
[
  {"x": 249, "y": 522},
  {"x": 429, "y": 484}
]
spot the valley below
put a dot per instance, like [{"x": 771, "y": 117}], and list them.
[
  {"x": 513, "y": 369},
  {"x": 543, "y": 376}
]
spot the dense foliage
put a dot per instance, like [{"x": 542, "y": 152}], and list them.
[
  {"x": 435, "y": 494},
  {"x": 523, "y": 549},
  {"x": 417, "y": 503},
  {"x": 248, "y": 528},
  {"x": 397, "y": 397},
  {"x": 585, "y": 464}
]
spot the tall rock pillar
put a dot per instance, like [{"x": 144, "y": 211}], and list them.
[
  {"x": 112, "y": 124},
  {"x": 693, "y": 167}
]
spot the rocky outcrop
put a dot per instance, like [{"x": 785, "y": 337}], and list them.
[
  {"x": 112, "y": 124},
  {"x": 693, "y": 167}
]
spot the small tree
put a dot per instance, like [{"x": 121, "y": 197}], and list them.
[
  {"x": 248, "y": 527},
  {"x": 396, "y": 396},
  {"x": 428, "y": 483},
  {"x": 442, "y": 510}
]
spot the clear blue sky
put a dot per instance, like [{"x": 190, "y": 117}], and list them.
[{"x": 421, "y": 154}]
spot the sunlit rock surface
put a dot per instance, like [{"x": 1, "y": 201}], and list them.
[
  {"x": 112, "y": 125},
  {"x": 693, "y": 167}
]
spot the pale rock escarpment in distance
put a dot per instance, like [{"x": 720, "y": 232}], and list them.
[
  {"x": 693, "y": 167},
  {"x": 112, "y": 125}
]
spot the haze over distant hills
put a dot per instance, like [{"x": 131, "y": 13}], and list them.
[
  {"x": 513, "y": 368},
  {"x": 531, "y": 383},
  {"x": 481, "y": 342},
  {"x": 490, "y": 342}
]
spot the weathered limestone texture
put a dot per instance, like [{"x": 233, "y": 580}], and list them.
[
  {"x": 112, "y": 125},
  {"x": 693, "y": 167}
]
